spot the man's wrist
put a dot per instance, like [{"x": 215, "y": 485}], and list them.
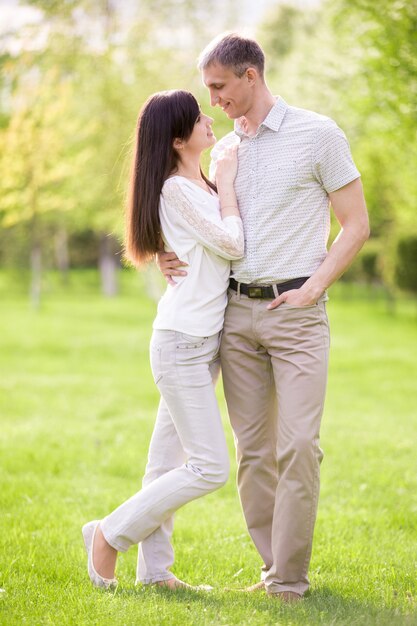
[{"x": 313, "y": 289}]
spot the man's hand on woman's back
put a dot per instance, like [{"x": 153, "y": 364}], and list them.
[{"x": 168, "y": 264}]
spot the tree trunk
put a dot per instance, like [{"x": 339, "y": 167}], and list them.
[
  {"x": 61, "y": 253},
  {"x": 391, "y": 301},
  {"x": 109, "y": 265},
  {"x": 36, "y": 275}
]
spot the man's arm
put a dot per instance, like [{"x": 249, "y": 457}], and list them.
[{"x": 349, "y": 207}]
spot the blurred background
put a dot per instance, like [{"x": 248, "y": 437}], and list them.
[{"x": 75, "y": 73}]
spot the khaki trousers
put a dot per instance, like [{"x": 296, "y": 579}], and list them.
[{"x": 274, "y": 366}]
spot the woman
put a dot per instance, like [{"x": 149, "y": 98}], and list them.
[{"x": 171, "y": 198}]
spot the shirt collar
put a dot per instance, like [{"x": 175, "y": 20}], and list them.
[{"x": 272, "y": 121}]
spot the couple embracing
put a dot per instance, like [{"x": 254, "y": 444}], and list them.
[{"x": 253, "y": 240}]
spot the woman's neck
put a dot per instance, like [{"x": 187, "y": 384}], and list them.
[{"x": 189, "y": 169}]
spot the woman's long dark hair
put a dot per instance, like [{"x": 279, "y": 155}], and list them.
[{"x": 165, "y": 116}]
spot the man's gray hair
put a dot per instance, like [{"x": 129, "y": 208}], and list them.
[{"x": 235, "y": 52}]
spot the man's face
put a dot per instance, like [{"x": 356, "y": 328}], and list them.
[{"x": 228, "y": 91}]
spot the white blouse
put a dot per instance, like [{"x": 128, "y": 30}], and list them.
[{"x": 192, "y": 226}]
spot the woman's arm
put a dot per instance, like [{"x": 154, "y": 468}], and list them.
[
  {"x": 224, "y": 237},
  {"x": 225, "y": 176},
  {"x": 226, "y": 168}
]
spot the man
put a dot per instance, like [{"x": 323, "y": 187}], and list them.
[{"x": 274, "y": 352}]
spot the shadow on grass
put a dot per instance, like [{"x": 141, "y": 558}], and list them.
[{"x": 324, "y": 607}]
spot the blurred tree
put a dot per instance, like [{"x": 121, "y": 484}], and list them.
[
  {"x": 386, "y": 33},
  {"x": 72, "y": 91},
  {"x": 69, "y": 115},
  {"x": 385, "y": 107},
  {"x": 281, "y": 31},
  {"x": 406, "y": 268},
  {"x": 38, "y": 163}
]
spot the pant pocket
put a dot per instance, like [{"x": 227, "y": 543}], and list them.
[
  {"x": 187, "y": 342},
  {"x": 191, "y": 358},
  {"x": 295, "y": 307},
  {"x": 156, "y": 366}
]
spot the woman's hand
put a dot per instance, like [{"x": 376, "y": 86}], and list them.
[{"x": 226, "y": 167}]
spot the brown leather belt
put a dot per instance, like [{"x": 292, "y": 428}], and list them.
[{"x": 266, "y": 291}]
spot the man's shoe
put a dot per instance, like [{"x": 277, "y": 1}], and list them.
[{"x": 288, "y": 597}]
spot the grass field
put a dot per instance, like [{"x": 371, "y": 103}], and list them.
[{"x": 77, "y": 404}]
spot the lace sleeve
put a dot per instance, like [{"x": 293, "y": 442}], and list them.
[{"x": 225, "y": 238}]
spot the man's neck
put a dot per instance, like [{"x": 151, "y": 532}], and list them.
[{"x": 262, "y": 104}]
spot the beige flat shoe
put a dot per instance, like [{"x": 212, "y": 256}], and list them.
[{"x": 89, "y": 532}]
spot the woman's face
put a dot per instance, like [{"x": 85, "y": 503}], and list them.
[{"x": 202, "y": 136}]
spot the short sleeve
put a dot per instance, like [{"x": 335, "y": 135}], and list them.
[{"x": 333, "y": 164}]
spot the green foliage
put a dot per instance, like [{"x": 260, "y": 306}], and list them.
[
  {"x": 38, "y": 163},
  {"x": 68, "y": 119},
  {"x": 69, "y": 109},
  {"x": 368, "y": 266},
  {"x": 279, "y": 32},
  {"x": 84, "y": 247},
  {"x": 406, "y": 267},
  {"x": 356, "y": 62},
  {"x": 387, "y": 35}
]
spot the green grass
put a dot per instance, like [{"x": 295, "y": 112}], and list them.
[{"x": 77, "y": 404}]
